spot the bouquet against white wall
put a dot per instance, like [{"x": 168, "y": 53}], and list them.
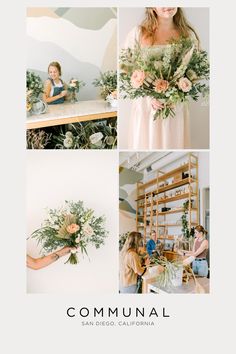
[{"x": 72, "y": 225}]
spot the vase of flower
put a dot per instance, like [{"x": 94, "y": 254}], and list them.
[
  {"x": 107, "y": 82},
  {"x": 74, "y": 87},
  {"x": 73, "y": 97},
  {"x": 112, "y": 99},
  {"x": 39, "y": 107}
]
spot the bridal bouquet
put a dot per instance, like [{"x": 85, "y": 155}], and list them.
[
  {"x": 72, "y": 225},
  {"x": 171, "y": 74}
]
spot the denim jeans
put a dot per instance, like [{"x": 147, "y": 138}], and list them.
[
  {"x": 132, "y": 289},
  {"x": 200, "y": 267}
]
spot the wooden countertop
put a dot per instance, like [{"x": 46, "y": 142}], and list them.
[{"x": 66, "y": 113}]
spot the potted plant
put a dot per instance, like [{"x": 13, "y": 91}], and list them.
[
  {"x": 34, "y": 87},
  {"x": 108, "y": 86}
]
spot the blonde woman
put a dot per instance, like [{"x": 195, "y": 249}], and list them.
[
  {"x": 130, "y": 263},
  {"x": 161, "y": 24},
  {"x": 54, "y": 88}
]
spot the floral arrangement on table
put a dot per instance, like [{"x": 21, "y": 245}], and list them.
[
  {"x": 72, "y": 225},
  {"x": 168, "y": 271},
  {"x": 108, "y": 85},
  {"x": 172, "y": 74},
  {"x": 74, "y": 87},
  {"x": 34, "y": 87}
]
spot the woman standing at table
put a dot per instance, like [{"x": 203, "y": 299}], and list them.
[
  {"x": 199, "y": 252},
  {"x": 130, "y": 263},
  {"x": 54, "y": 88}
]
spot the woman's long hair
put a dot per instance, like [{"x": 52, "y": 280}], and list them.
[
  {"x": 150, "y": 24},
  {"x": 133, "y": 242}
]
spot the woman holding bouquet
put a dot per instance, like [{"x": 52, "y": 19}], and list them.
[
  {"x": 130, "y": 263},
  {"x": 160, "y": 25},
  {"x": 54, "y": 89}
]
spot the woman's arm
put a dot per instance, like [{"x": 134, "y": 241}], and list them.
[
  {"x": 38, "y": 263},
  {"x": 136, "y": 264},
  {"x": 47, "y": 90},
  {"x": 202, "y": 248}
]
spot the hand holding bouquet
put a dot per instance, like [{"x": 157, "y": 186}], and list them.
[
  {"x": 170, "y": 75},
  {"x": 73, "y": 226}
]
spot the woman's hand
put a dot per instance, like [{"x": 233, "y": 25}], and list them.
[
  {"x": 156, "y": 105},
  {"x": 147, "y": 262},
  {"x": 63, "y": 93},
  {"x": 64, "y": 251}
]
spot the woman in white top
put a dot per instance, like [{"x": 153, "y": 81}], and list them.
[{"x": 160, "y": 25}]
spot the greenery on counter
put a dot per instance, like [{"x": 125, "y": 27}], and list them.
[{"x": 168, "y": 274}]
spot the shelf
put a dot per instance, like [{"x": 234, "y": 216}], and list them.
[
  {"x": 175, "y": 225},
  {"x": 168, "y": 188},
  {"x": 174, "y": 211},
  {"x": 176, "y": 184},
  {"x": 156, "y": 193},
  {"x": 182, "y": 168},
  {"x": 167, "y": 175},
  {"x": 176, "y": 197}
]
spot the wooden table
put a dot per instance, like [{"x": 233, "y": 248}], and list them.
[
  {"x": 66, "y": 113},
  {"x": 185, "y": 288}
]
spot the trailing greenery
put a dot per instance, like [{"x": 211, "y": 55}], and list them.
[{"x": 166, "y": 277}]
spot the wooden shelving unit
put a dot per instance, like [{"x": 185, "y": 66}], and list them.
[{"x": 168, "y": 189}]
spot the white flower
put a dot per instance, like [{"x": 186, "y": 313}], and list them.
[
  {"x": 68, "y": 142},
  {"x": 72, "y": 84},
  {"x": 69, "y": 134},
  {"x": 73, "y": 251},
  {"x": 77, "y": 240},
  {"x": 88, "y": 230},
  {"x": 95, "y": 138}
]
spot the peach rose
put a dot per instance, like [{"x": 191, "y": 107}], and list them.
[
  {"x": 161, "y": 85},
  {"x": 137, "y": 78},
  {"x": 72, "y": 228},
  {"x": 184, "y": 84}
]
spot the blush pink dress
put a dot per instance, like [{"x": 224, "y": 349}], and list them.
[{"x": 147, "y": 134}]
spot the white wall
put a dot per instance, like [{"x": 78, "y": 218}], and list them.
[
  {"x": 199, "y": 112},
  {"x": 91, "y": 176},
  {"x": 127, "y": 222}
]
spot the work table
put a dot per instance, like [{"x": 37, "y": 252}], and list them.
[{"x": 66, "y": 113}]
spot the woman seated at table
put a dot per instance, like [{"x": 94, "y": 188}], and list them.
[
  {"x": 130, "y": 263},
  {"x": 198, "y": 255},
  {"x": 54, "y": 88}
]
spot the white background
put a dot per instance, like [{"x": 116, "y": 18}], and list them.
[
  {"x": 198, "y": 111},
  {"x": 37, "y": 323},
  {"x": 89, "y": 176}
]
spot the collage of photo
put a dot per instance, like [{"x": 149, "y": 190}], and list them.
[{"x": 134, "y": 219}]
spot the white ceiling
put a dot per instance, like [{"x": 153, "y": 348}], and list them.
[{"x": 139, "y": 161}]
